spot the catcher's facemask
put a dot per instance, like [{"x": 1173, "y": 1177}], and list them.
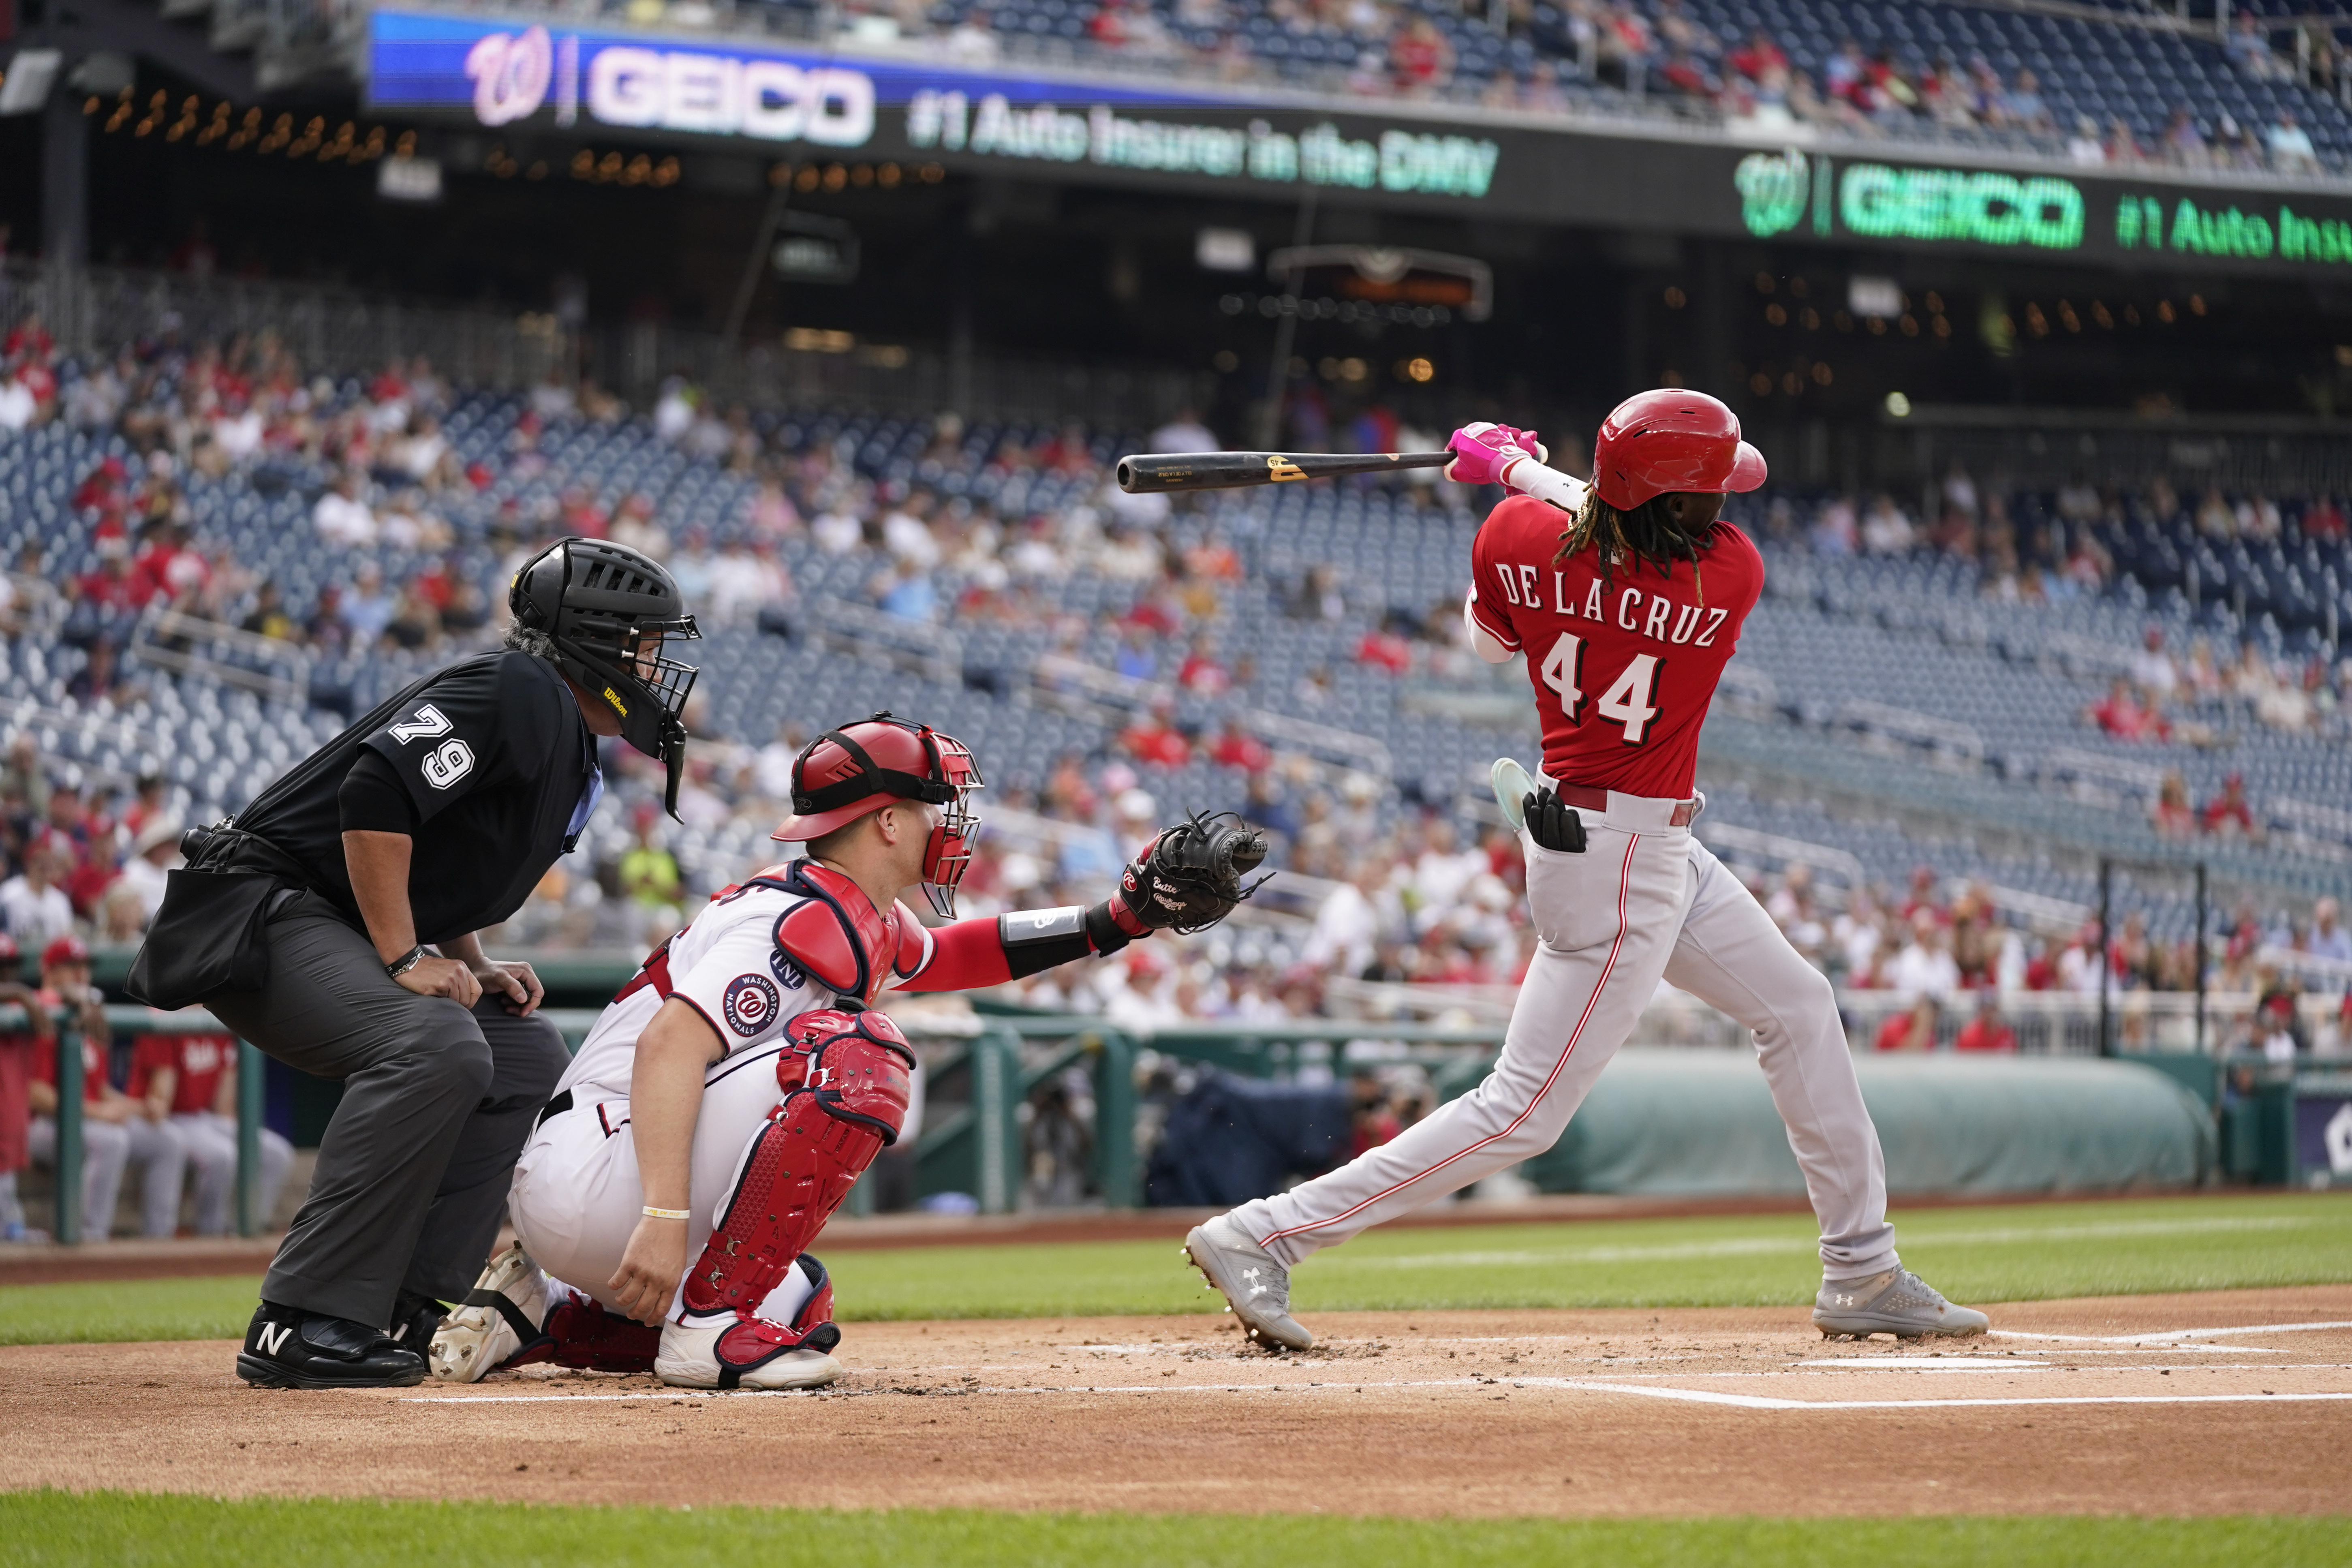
[{"x": 949, "y": 775}]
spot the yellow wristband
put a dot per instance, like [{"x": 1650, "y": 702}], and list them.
[{"x": 653, "y": 1213}]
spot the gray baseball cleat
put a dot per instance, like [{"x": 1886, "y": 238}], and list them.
[
  {"x": 1896, "y": 1302},
  {"x": 1257, "y": 1286}
]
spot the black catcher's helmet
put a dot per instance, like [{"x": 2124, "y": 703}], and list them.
[{"x": 607, "y": 609}]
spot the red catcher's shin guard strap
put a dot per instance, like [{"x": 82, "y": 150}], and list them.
[
  {"x": 583, "y": 1334},
  {"x": 800, "y": 1166}
]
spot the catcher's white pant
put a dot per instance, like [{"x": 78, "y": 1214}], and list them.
[
  {"x": 1645, "y": 900},
  {"x": 577, "y": 1196}
]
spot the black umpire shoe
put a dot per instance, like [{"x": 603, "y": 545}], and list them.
[
  {"x": 416, "y": 1320},
  {"x": 286, "y": 1347}
]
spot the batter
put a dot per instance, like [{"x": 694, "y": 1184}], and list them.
[{"x": 1627, "y": 599}]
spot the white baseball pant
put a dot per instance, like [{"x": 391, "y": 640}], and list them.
[
  {"x": 107, "y": 1149},
  {"x": 577, "y": 1196},
  {"x": 1645, "y": 900},
  {"x": 210, "y": 1140}
]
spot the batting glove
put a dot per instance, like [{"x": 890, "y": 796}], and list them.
[
  {"x": 1483, "y": 451},
  {"x": 1553, "y": 824}
]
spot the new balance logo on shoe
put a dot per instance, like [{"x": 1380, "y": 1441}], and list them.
[{"x": 274, "y": 1336}]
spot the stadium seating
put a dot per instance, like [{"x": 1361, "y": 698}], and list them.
[
  {"x": 2128, "y": 71},
  {"x": 1972, "y": 703},
  {"x": 2136, "y": 69}
]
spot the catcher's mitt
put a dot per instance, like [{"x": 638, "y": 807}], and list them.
[{"x": 1190, "y": 878}]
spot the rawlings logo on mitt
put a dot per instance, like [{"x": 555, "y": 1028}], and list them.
[{"x": 1190, "y": 878}]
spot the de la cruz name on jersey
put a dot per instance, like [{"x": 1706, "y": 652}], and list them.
[{"x": 1623, "y": 669}]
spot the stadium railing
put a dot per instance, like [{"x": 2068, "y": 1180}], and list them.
[{"x": 983, "y": 1070}]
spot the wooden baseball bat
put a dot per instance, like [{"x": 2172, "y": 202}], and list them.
[{"x": 1153, "y": 473}]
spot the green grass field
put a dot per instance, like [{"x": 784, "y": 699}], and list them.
[
  {"x": 38, "y": 1528},
  {"x": 2032, "y": 1252}
]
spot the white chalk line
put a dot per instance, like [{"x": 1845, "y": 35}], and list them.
[
  {"x": 2168, "y": 1335},
  {"x": 2020, "y": 1366},
  {"x": 1921, "y": 1363},
  {"x": 1765, "y": 1402},
  {"x": 1585, "y": 1386}
]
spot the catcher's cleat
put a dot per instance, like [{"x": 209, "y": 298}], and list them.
[
  {"x": 736, "y": 1350},
  {"x": 728, "y": 1348},
  {"x": 501, "y": 1315},
  {"x": 1513, "y": 785},
  {"x": 1896, "y": 1302},
  {"x": 1257, "y": 1287}
]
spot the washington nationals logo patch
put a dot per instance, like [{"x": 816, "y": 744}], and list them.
[{"x": 751, "y": 1004}]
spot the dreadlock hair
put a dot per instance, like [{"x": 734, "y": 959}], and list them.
[{"x": 1647, "y": 533}]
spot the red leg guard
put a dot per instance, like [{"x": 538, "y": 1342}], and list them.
[
  {"x": 845, "y": 1101},
  {"x": 753, "y": 1341},
  {"x": 583, "y": 1334}
]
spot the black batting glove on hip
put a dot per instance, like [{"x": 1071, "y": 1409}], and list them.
[{"x": 1552, "y": 825}]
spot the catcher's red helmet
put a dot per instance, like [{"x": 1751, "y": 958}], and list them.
[
  {"x": 1667, "y": 440},
  {"x": 845, "y": 773}
]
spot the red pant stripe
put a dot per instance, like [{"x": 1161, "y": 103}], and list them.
[{"x": 1624, "y": 879}]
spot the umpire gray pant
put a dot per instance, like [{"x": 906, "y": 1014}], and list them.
[{"x": 437, "y": 1101}]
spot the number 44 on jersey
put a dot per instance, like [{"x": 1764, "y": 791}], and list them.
[{"x": 1628, "y": 702}]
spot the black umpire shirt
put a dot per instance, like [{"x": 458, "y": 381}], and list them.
[{"x": 499, "y": 771}]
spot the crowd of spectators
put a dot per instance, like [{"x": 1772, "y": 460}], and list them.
[
  {"x": 1869, "y": 93},
  {"x": 2170, "y": 693},
  {"x": 1381, "y": 897},
  {"x": 1950, "y": 958},
  {"x": 1385, "y": 48}
]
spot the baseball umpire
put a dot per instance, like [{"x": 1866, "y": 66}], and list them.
[{"x": 311, "y": 925}]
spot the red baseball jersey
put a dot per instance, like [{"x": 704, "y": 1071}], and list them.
[
  {"x": 93, "y": 1066},
  {"x": 1623, "y": 669},
  {"x": 199, "y": 1059},
  {"x": 17, "y": 1053}
]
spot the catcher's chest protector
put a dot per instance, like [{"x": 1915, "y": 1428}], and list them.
[
  {"x": 835, "y": 934},
  {"x": 845, "y": 1090}
]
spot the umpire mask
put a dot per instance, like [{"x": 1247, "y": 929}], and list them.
[{"x": 609, "y": 612}]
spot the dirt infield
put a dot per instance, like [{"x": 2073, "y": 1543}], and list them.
[{"x": 2227, "y": 1402}]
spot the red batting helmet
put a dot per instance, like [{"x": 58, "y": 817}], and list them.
[
  {"x": 1670, "y": 439},
  {"x": 845, "y": 773}
]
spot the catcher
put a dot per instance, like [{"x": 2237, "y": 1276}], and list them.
[{"x": 731, "y": 1094}]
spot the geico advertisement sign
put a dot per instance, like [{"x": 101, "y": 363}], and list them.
[
  {"x": 514, "y": 75},
  {"x": 774, "y": 99}
]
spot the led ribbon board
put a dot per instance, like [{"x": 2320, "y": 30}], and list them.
[
  {"x": 1807, "y": 195},
  {"x": 1885, "y": 201},
  {"x": 2186, "y": 227},
  {"x": 519, "y": 72}
]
